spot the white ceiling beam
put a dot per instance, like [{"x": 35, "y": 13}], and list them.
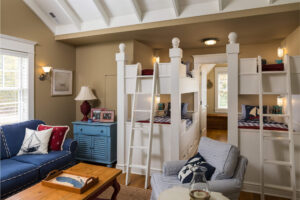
[
  {"x": 103, "y": 12},
  {"x": 220, "y": 4},
  {"x": 175, "y": 6},
  {"x": 137, "y": 9},
  {"x": 70, "y": 13},
  {"x": 47, "y": 19}
]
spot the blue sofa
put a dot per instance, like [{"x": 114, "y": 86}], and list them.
[{"x": 18, "y": 172}]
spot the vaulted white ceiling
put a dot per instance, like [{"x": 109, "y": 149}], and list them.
[{"x": 73, "y": 16}]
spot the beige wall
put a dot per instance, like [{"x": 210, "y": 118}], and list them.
[
  {"x": 96, "y": 67},
  {"x": 143, "y": 54},
  {"x": 19, "y": 21},
  {"x": 292, "y": 43}
]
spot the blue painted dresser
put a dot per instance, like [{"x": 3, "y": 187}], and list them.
[{"x": 97, "y": 142}]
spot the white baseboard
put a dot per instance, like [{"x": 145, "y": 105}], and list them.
[
  {"x": 254, "y": 187},
  {"x": 137, "y": 171}
]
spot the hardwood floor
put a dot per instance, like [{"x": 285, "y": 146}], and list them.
[{"x": 216, "y": 134}]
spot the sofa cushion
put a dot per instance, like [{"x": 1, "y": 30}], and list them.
[
  {"x": 14, "y": 134},
  {"x": 15, "y": 175},
  {"x": 3, "y": 145},
  {"x": 58, "y": 136},
  {"x": 222, "y": 156},
  {"x": 35, "y": 142},
  {"x": 47, "y": 162}
]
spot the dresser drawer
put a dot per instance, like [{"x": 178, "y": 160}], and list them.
[{"x": 91, "y": 130}]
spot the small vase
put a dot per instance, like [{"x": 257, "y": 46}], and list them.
[{"x": 199, "y": 189}]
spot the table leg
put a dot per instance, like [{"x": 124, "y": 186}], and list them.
[{"x": 116, "y": 186}]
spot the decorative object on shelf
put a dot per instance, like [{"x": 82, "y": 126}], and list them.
[
  {"x": 209, "y": 84},
  {"x": 280, "y": 54},
  {"x": 69, "y": 181},
  {"x": 277, "y": 110},
  {"x": 84, "y": 95},
  {"x": 161, "y": 106},
  {"x": 97, "y": 142},
  {"x": 46, "y": 74},
  {"x": 107, "y": 116},
  {"x": 61, "y": 82},
  {"x": 96, "y": 114}
]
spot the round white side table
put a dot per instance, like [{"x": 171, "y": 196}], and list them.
[{"x": 181, "y": 193}]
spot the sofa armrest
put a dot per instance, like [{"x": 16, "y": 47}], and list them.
[
  {"x": 70, "y": 145},
  {"x": 173, "y": 167}
]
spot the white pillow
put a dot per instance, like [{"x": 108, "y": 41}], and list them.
[{"x": 35, "y": 142}]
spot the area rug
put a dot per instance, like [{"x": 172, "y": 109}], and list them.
[{"x": 127, "y": 193}]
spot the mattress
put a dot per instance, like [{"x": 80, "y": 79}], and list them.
[
  {"x": 249, "y": 124},
  {"x": 166, "y": 120},
  {"x": 273, "y": 67}
]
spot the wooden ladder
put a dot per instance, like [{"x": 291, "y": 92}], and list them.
[
  {"x": 290, "y": 139},
  {"x": 147, "y": 148}
]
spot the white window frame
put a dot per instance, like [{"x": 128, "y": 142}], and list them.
[
  {"x": 219, "y": 70},
  {"x": 14, "y": 44}
]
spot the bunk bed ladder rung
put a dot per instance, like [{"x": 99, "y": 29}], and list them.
[
  {"x": 147, "y": 147},
  {"x": 289, "y": 117}
]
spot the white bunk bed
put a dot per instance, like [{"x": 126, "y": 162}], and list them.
[
  {"x": 172, "y": 141},
  {"x": 243, "y": 73}
]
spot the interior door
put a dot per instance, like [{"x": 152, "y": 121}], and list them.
[{"x": 203, "y": 104}]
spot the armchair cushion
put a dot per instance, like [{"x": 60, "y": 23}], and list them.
[
  {"x": 186, "y": 173},
  {"x": 222, "y": 156},
  {"x": 173, "y": 167}
]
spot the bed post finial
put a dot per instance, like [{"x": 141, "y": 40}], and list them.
[
  {"x": 122, "y": 48},
  {"x": 232, "y": 37},
  {"x": 175, "y": 42}
]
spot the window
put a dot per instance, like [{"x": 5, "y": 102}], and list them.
[
  {"x": 16, "y": 81},
  {"x": 13, "y": 88},
  {"x": 221, "y": 89}
]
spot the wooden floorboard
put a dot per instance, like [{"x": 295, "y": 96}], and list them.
[{"x": 220, "y": 135}]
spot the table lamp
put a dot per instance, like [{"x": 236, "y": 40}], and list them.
[{"x": 84, "y": 95}]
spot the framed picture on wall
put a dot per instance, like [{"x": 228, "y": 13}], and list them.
[
  {"x": 61, "y": 82},
  {"x": 107, "y": 116}
]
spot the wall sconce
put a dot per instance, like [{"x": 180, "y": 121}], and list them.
[
  {"x": 46, "y": 73},
  {"x": 280, "y": 54},
  {"x": 157, "y": 59},
  {"x": 280, "y": 100}
]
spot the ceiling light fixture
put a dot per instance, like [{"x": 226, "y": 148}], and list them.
[{"x": 210, "y": 41}]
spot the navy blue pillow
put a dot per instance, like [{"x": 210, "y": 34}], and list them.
[
  {"x": 184, "y": 109},
  {"x": 255, "y": 117},
  {"x": 185, "y": 175}
]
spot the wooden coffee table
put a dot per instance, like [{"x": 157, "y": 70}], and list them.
[{"x": 107, "y": 177}]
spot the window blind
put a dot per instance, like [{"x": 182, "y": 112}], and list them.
[{"x": 14, "y": 84}]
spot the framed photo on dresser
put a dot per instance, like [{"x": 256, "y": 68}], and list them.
[{"x": 107, "y": 116}]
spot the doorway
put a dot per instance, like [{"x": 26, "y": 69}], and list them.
[{"x": 213, "y": 95}]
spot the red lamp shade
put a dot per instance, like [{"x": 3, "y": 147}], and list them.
[{"x": 84, "y": 95}]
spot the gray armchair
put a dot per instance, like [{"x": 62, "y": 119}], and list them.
[{"x": 227, "y": 178}]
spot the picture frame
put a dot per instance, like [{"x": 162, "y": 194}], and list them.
[
  {"x": 61, "y": 82},
  {"x": 96, "y": 114},
  {"x": 107, "y": 116}
]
